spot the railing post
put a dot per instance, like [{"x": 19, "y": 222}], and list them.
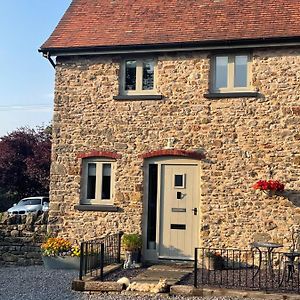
[
  {"x": 81, "y": 261},
  {"x": 101, "y": 261},
  {"x": 195, "y": 268},
  {"x": 119, "y": 247}
]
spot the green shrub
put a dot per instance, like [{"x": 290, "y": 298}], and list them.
[{"x": 132, "y": 242}]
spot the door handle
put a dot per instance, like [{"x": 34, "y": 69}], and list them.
[{"x": 195, "y": 210}]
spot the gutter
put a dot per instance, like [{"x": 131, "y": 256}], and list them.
[
  {"x": 47, "y": 55},
  {"x": 173, "y": 47}
]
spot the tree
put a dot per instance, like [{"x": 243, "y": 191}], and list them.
[{"x": 24, "y": 164}]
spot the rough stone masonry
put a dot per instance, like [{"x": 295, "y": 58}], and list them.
[
  {"x": 21, "y": 237},
  {"x": 242, "y": 138}
]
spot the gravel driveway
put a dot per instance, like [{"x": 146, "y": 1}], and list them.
[{"x": 35, "y": 282}]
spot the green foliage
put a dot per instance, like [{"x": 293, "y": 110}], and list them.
[{"x": 132, "y": 242}]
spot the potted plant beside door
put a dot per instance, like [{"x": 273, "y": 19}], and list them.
[{"x": 132, "y": 245}]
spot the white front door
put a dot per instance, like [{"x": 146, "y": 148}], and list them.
[{"x": 179, "y": 211}]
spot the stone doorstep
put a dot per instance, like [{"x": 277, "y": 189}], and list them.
[
  {"x": 92, "y": 283},
  {"x": 172, "y": 273},
  {"x": 173, "y": 268},
  {"x": 188, "y": 290},
  {"x": 144, "y": 294},
  {"x": 99, "y": 286},
  {"x": 151, "y": 275},
  {"x": 106, "y": 270}
]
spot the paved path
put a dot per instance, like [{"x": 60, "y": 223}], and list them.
[{"x": 173, "y": 274}]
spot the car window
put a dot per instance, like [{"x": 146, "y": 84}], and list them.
[
  {"x": 46, "y": 200},
  {"x": 30, "y": 202}
]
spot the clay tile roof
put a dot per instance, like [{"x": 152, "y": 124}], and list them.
[{"x": 96, "y": 23}]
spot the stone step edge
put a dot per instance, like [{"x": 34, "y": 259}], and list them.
[
  {"x": 96, "y": 286},
  {"x": 80, "y": 285},
  {"x": 170, "y": 281},
  {"x": 188, "y": 290}
]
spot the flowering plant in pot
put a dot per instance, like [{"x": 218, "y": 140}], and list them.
[
  {"x": 269, "y": 187},
  {"x": 60, "y": 253},
  {"x": 132, "y": 244}
]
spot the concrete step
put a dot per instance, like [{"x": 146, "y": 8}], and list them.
[{"x": 153, "y": 274}]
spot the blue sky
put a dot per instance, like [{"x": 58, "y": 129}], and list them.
[{"x": 26, "y": 78}]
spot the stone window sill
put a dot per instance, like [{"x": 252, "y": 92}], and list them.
[
  {"x": 138, "y": 97},
  {"x": 232, "y": 95},
  {"x": 96, "y": 207}
]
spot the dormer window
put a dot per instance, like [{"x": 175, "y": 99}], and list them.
[{"x": 138, "y": 77}]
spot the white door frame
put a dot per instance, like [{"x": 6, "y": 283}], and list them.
[{"x": 152, "y": 254}]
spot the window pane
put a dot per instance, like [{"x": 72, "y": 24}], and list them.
[
  {"x": 240, "y": 71},
  {"x": 130, "y": 75},
  {"x": 106, "y": 179},
  {"x": 148, "y": 75},
  {"x": 91, "y": 182},
  {"x": 178, "y": 180},
  {"x": 221, "y": 76}
]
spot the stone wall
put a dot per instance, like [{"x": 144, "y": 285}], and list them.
[
  {"x": 242, "y": 138},
  {"x": 20, "y": 243}
]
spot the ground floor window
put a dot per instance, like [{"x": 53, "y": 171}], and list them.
[{"x": 97, "y": 181}]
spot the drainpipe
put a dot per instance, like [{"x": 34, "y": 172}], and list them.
[{"x": 48, "y": 56}]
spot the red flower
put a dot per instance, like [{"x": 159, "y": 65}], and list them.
[{"x": 273, "y": 185}]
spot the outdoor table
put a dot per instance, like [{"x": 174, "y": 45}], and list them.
[
  {"x": 270, "y": 247},
  {"x": 289, "y": 265}
]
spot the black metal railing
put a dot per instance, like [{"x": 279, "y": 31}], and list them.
[
  {"x": 98, "y": 253},
  {"x": 247, "y": 269}
]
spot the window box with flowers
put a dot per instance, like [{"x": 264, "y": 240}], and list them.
[
  {"x": 213, "y": 260},
  {"x": 59, "y": 253},
  {"x": 269, "y": 187}
]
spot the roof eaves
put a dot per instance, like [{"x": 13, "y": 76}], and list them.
[{"x": 170, "y": 47}]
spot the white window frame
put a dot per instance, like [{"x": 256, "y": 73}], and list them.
[
  {"x": 99, "y": 171},
  {"x": 183, "y": 181},
  {"x": 230, "y": 74},
  {"x": 139, "y": 77}
]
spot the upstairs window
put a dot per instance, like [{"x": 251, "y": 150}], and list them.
[
  {"x": 138, "y": 77},
  {"x": 231, "y": 73},
  {"x": 97, "y": 181}
]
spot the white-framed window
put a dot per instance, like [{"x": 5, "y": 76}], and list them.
[
  {"x": 138, "y": 76},
  {"x": 97, "y": 182},
  {"x": 231, "y": 73},
  {"x": 179, "y": 181}
]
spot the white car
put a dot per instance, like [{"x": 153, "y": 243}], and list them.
[{"x": 30, "y": 205}]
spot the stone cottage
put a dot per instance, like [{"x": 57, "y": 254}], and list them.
[{"x": 165, "y": 115}]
